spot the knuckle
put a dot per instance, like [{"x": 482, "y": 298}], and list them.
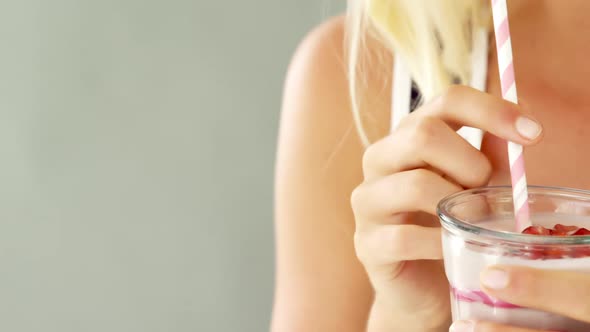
[
  {"x": 407, "y": 120},
  {"x": 425, "y": 130},
  {"x": 450, "y": 95},
  {"x": 398, "y": 241},
  {"x": 484, "y": 172},
  {"x": 486, "y": 166},
  {"x": 382, "y": 245},
  {"x": 360, "y": 247},
  {"x": 417, "y": 180},
  {"x": 356, "y": 198},
  {"x": 478, "y": 173},
  {"x": 410, "y": 191}
]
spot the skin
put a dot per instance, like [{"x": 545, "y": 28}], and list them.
[{"x": 356, "y": 254}]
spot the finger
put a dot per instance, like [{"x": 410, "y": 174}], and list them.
[
  {"x": 389, "y": 244},
  {"x": 411, "y": 191},
  {"x": 465, "y": 106},
  {"x": 431, "y": 142},
  {"x": 474, "y": 326},
  {"x": 562, "y": 292}
]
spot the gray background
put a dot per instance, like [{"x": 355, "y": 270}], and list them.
[{"x": 137, "y": 141}]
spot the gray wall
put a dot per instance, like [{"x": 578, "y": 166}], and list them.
[{"x": 137, "y": 141}]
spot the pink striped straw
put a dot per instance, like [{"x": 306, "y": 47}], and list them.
[{"x": 515, "y": 151}]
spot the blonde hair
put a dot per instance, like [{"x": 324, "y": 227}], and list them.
[{"x": 433, "y": 37}]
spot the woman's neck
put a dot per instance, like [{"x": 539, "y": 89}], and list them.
[
  {"x": 553, "y": 36},
  {"x": 566, "y": 16}
]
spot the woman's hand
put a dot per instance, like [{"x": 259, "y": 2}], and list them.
[
  {"x": 561, "y": 292},
  {"x": 406, "y": 174}
]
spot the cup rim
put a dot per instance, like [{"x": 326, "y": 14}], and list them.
[{"x": 453, "y": 224}]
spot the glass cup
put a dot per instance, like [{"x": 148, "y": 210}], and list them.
[{"x": 479, "y": 231}]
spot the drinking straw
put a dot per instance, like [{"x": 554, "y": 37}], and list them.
[{"x": 515, "y": 151}]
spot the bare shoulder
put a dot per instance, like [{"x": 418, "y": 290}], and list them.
[
  {"x": 317, "y": 130},
  {"x": 320, "y": 285},
  {"x": 317, "y": 93},
  {"x": 317, "y": 75}
]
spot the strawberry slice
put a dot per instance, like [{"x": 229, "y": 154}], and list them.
[
  {"x": 558, "y": 232},
  {"x": 582, "y": 231},
  {"x": 581, "y": 252},
  {"x": 564, "y": 229},
  {"x": 556, "y": 252},
  {"x": 553, "y": 253},
  {"x": 536, "y": 230}
]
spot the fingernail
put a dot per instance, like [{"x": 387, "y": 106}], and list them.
[
  {"x": 463, "y": 326},
  {"x": 528, "y": 128},
  {"x": 494, "y": 278}
]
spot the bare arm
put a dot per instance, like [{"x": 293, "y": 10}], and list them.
[{"x": 320, "y": 286}]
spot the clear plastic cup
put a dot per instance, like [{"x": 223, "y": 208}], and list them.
[{"x": 479, "y": 231}]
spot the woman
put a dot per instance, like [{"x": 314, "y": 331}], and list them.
[{"x": 377, "y": 266}]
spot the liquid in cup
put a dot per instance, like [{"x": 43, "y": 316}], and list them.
[{"x": 479, "y": 231}]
